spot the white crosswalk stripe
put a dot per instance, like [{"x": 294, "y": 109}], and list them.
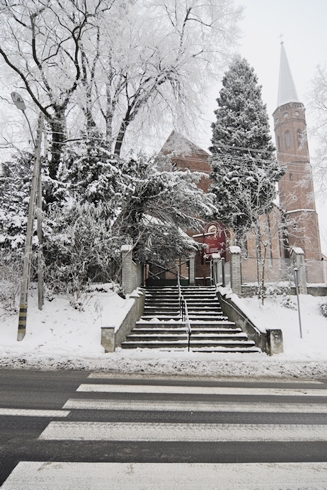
[
  {"x": 194, "y": 406},
  {"x": 121, "y": 431},
  {"x": 166, "y": 476},
  {"x": 199, "y": 390},
  {"x": 20, "y": 412}
]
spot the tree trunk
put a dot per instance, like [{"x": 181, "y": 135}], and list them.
[
  {"x": 58, "y": 129},
  {"x": 122, "y": 131},
  {"x": 263, "y": 293}
]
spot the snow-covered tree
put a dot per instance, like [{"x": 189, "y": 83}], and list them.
[
  {"x": 159, "y": 207},
  {"x": 156, "y": 64},
  {"x": 146, "y": 205},
  {"x": 41, "y": 44},
  {"x": 109, "y": 201},
  {"x": 244, "y": 167},
  {"x": 15, "y": 183},
  {"x": 121, "y": 65},
  {"x": 318, "y": 105}
]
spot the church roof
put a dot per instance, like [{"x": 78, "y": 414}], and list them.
[
  {"x": 286, "y": 88},
  {"x": 177, "y": 145}
]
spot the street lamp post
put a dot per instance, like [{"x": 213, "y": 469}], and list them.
[{"x": 35, "y": 190}]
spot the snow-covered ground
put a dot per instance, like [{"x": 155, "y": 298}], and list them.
[{"x": 61, "y": 337}]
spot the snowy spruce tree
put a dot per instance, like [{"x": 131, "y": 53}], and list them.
[{"x": 244, "y": 167}]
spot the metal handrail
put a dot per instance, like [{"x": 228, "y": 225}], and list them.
[
  {"x": 187, "y": 324},
  {"x": 184, "y": 313}
]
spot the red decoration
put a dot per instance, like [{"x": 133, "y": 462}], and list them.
[{"x": 215, "y": 239}]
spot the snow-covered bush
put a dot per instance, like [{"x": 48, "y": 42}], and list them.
[
  {"x": 79, "y": 248},
  {"x": 14, "y": 191},
  {"x": 287, "y": 302},
  {"x": 323, "y": 309},
  {"x": 278, "y": 289},
  {"x": 10, "y": 280}
]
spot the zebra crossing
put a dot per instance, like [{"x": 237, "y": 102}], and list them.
[{"x": 173, "y": 434}]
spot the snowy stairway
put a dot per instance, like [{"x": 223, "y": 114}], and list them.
[{"x": 161, "y": 326}]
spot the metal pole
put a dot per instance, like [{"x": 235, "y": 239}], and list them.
[
  {"x": 296, "y": 272},
  {"x": 40, "y": 242},
  {"x": 29, "y": 125},
  {"x": 29, "y": 233}
]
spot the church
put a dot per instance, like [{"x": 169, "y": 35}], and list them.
[{"x": 293, "y": 222}]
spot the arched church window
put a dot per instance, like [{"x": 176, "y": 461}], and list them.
[
  {"x": 288, "y": 139},
  {"x": 278, "y": 143},
  {"x": 291, "y": 176}
]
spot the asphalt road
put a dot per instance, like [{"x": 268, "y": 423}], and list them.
[{"x": 80, "y": 417}]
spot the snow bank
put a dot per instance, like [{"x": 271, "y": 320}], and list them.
[{"x": 61, "y": 337}]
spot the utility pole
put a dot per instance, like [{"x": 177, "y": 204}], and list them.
[
  {"x": 39, "y": 231},
  {"x": 29, "y": 234},
  {"x": 35, "y": 200}
]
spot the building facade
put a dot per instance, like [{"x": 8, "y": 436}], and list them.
[{"x": 293, "y": 222}]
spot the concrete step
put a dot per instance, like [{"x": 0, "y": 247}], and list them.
[
  {"x": 192, "y": 318},
  {"x": 198, "y": 301},
  {"x": 161, "y": 302},
  {"x": 227, "y": 350},
  {"x": 195, "y": 329},
  {"x": 208, "y": 318},
  {"x": 158, "y": 331},
  {"x": 216, "y": 309},
  {"x": 163, "y": 306},
  {"x": 195, "y": 337},
  {"x": 205, "y": 344}
]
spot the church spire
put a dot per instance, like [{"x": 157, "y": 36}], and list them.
[{"x": 286, "y": 88}]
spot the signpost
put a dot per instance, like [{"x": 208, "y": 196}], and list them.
[{"x": 296, "y": 273}]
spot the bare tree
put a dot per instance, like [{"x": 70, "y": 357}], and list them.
[
  {"x": 136, "y": 63},
  {"x": 41, "y": 44},
  {"x": 318, "y": 104},
  {"x": 155, "y": 64}
]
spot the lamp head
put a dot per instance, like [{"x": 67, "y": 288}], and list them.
[{"x": 18, "y": 101}]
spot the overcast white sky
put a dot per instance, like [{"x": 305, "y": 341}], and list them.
[{"x": 303, "y": 24}]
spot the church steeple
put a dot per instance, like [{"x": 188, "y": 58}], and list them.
[
  {"x": 286, "y": 87},
  {"x": 296, "y": 192}
]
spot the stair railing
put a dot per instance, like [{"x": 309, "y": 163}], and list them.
[{"x": 184, "y": 313}]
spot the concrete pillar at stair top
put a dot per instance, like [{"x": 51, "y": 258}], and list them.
[
  {"x": 108, "y": 338},
  {"x": 128, "y": 282},
  {"x": 192, "y": 270},
  {"x": 235, "y": 269},
  {"x": 275, "y": 341}
]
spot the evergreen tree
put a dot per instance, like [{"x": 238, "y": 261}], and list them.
[
  {"x": 15, "y": 182},
  {"x": 244, "y": 167}
]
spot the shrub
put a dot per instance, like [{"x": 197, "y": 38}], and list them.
[
  {"x": 323, "y": 309},
  {"x": 10, "y": 280}
]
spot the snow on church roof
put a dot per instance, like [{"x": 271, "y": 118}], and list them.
[
  {"x": 177, "y": 145},
  {"x": 286, "y": 88}
]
